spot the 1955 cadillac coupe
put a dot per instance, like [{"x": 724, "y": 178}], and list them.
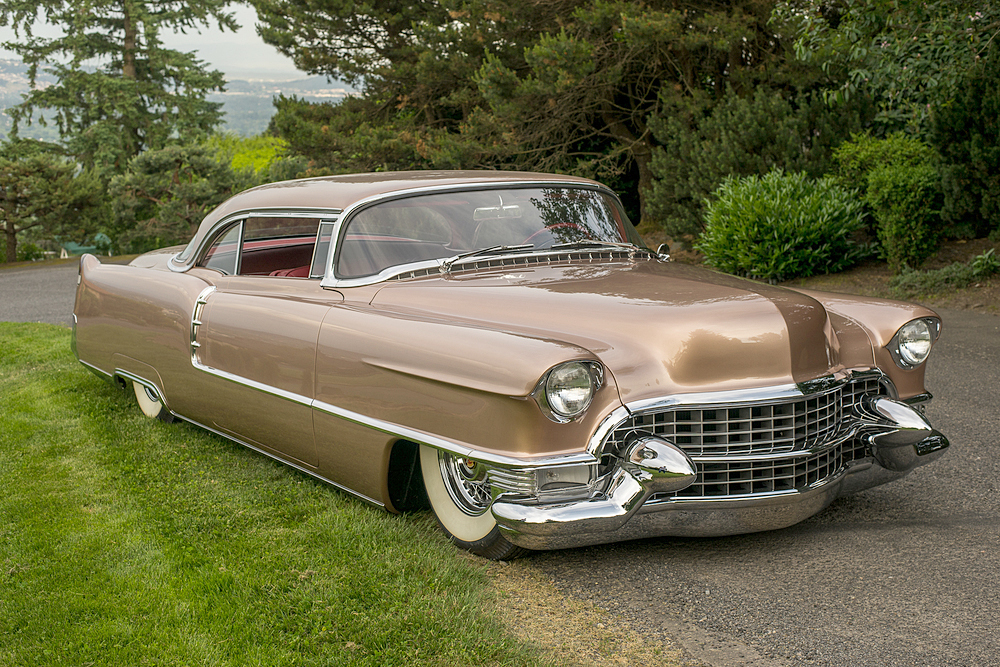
[{"x": 503, "y": 346}]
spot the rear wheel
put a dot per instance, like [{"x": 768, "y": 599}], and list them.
[
  {"x": 150, "y": 403},
  {"x": 460, "y": 496}
]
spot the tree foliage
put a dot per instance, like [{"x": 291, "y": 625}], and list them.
[
  {"x": 118, "y": 90},
  {"x": 47, "y": 193},
  {"x": 165, "y": 193},
  {"x": 966, "y": 135},
  {"x": 565, "y": 86},
  {"x": 741, "y": 136},
  {"x": 910, "y": 56}
]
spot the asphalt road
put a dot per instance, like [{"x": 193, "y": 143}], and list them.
[
  {"x": 40, "y": 293},
  {"x": 904, "y": 574}
]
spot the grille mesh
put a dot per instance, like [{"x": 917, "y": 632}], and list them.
[
  {"x": 771, "y": 428},
  {"x": 766, "y": 431},
  {"x": 747, "y": 477}
]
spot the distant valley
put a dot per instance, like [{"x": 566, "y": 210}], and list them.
[{"x": 246, "y": 103}]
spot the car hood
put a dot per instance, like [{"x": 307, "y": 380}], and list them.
[{"x": 660, "y": 328}]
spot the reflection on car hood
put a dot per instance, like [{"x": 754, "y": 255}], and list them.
[{"x": 659, "y": 328}]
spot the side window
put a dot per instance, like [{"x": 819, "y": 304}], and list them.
[
  {"x": 278, "y": 246},
  {"x": 223, "y": 254}
]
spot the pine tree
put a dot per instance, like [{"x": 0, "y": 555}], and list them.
[
  {"x": 40, "y": 190},
  {"x": 119, "y": 91}
]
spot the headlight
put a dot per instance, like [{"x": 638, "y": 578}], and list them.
[
  {"x": 566, "y": 391},
  {"x": 912, "y": 343}
]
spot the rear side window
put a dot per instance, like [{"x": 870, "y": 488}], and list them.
[
  {"x": 269, "y": 246},
  {"x": 223, "y": 254}
]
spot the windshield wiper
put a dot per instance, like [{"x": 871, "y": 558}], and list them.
[
  {"x": 492, "y": 250},
  {"x": 591, "y": 243}
]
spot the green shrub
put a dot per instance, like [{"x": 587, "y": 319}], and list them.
[
  {"x": 781, "y": 226},
  {"x": 740, "y": 136},
  {"x": 906, "y": 203},
  {"x": 29, "y": 252},
  {"x": 898, "y": 180},
  {"x": 911, "y": 284},
  {"x": 863, "y": 154}
]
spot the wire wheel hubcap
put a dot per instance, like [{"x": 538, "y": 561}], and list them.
[{"x": 466, "y": 482}]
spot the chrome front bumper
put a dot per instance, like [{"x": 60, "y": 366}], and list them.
[{"x": 638, "y": 496}]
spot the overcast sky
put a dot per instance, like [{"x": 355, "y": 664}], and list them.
[{"x": 240, "y": 55}]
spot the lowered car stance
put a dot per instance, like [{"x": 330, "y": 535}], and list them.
[{"x": 503, "y": 347}]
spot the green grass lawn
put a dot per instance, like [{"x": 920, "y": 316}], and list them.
[{"x": 127, "y": 541}]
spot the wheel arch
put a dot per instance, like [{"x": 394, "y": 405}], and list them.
[{"x": 404, "y": 478}]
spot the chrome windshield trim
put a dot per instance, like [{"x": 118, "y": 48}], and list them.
[
  {"x": 330, "y": 281},
  {"x": 436, "y": 267}
]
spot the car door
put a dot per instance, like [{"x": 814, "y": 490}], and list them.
[{"x": 254, "y": 333}]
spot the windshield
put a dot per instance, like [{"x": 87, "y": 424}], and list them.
[{"x": 442, "y": 225}]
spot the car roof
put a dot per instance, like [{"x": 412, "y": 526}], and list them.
[{"x": 337, "y": 193}]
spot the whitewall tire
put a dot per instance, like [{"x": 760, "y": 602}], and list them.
[
  {"x": 150, "y": 403},
  {"x": 459, "y": 494}
]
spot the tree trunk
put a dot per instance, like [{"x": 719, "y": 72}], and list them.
[
  {"x": 640, "y": 150},
  {"x": 128, "y": 55},
  {"x": 133, "y": 140},
  {"x": 10, "y": 231},
  {"x": 643, "y": 155}
]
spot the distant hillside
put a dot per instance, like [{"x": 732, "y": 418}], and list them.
[{"x": 246, "y": 103}]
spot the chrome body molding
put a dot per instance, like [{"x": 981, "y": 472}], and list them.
[
  {"x": 199, "y": 306},
  {"x": 397, "y": 430},
  {"x": 148, "y": 384},
  {"x": 453, "y": 447}
]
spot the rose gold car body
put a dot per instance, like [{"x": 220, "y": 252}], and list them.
[{"x": 331, "y": 375}]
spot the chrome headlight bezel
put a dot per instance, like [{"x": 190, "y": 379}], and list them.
[
  {"x": 553, "y": 394},
  {"x": 912, "y": 343}
]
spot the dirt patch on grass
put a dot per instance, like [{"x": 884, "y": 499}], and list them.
[
  {"x": 872, "y": 279},
  {"x": 571, "y": 631}
]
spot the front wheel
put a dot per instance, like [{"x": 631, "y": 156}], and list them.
[
  {"x": 460, "y": 496},
  {"x": 150, "y": 403}
]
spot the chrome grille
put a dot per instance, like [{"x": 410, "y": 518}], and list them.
[
  {"x": 855, "y": 449},
  {"x": 749, "y": 476},
  {"x": 738, "y": 448},
  {"x": 756, "y": 429}
]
